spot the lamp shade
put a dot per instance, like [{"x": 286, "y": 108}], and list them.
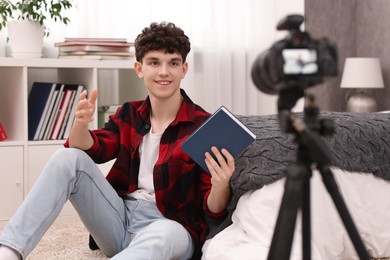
[{"x": 362, "y": 73}]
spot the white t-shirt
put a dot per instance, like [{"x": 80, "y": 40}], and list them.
[{"x": 148, "y": 152}]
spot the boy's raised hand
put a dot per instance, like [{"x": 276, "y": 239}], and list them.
[
  {"x": 86, "y": 108},
  {"x": 79, "y": 136}
]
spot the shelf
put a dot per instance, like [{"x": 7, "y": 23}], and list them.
[
  {"x": 22, "y": 160},
  {"x": 7, "y": 143},
  {"x": 66, "y": 63},
  {"x": 46, "y": 142}
]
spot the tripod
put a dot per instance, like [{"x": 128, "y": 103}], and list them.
[{"x": 312, "y": 152}]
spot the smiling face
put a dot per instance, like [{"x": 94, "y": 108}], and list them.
[{"x": 162, "y": 73}]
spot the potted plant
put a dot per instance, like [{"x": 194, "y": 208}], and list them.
[{"x": 25, "y": 21}]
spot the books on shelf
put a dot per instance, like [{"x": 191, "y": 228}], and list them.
[
  {"x": 50, "y": 108},
  {"x": 97, "y": 45},
  {"x": 70, "y": 114},
  {"x": 94, "y": 39},
  {"x": 60, "y": 115},
  {"x": 95, "y": 48},
  {"x": 96, "y": 55},
  {"x": 3, "y": 134},
  {"x": 38, "y": 104},
  {"x": 222, "y": 130},
  {"x": 54, "y": 110}
]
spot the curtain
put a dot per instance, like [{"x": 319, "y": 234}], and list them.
[{"x": 226, "y": 36}]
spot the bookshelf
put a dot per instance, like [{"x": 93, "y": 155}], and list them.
[{"x": 21, "y": 160}]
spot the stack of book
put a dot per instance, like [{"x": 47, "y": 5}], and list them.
[
  {"x": 51, "y": 110},
  {"x": 95, "y": 48}
]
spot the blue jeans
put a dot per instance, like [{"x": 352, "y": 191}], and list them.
[{"x": 123, "y": 229}]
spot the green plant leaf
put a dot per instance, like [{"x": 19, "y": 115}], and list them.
[{"x": 35, "y": 10}]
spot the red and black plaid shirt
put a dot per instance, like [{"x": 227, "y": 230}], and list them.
[{"x": 181, "y": 186}]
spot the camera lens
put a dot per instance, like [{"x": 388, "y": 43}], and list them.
[{"x": 261, "y": 76}]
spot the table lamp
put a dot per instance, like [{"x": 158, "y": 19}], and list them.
[{"x": 361, "y": 75}]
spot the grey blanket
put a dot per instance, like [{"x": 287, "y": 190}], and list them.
[{"x": 361, "y": 143}]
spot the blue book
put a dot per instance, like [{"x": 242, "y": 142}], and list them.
[
  {"x": 38, "y": 101},
  {"x": 222, "y": 130}
]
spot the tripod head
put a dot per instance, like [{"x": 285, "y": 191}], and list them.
[{"x": 308, "y": 132}]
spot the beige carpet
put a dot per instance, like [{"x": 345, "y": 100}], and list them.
[{"x": 66, "y": 239}]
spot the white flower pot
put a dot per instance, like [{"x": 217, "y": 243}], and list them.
[{"x": 25, "y": 38}]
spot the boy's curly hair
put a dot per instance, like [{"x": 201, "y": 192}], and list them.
[{"x": 162, "y": 36}]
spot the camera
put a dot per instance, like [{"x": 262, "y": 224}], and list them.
[{"x": 297, "y": 61}]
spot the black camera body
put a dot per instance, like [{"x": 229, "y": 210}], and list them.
[{"x": 297, "y": 61}]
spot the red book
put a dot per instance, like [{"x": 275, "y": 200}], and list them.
[
  {"x": 3, "y": 134},
  {"x": 61, "y": 114}
]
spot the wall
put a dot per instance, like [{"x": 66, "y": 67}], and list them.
[{"x": 360, "y": 29}]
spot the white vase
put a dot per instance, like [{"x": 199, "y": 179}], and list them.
[{"x": 25, "y": 38}]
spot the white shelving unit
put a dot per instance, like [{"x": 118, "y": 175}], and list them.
[{"x": 21, "y": 160}]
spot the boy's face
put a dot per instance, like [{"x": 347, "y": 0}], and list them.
[{"x": 162, "y": 73}]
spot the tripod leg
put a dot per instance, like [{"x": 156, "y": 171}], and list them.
[
  {"x": 306, "y": 221},
  {"x": 284, "y": 230},
  {"x": 331, "y": 186}
]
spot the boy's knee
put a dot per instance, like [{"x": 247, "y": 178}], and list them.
[
  {"x": 168, "y": 228},
  {"x": 172, "y": 236},
  {"x": 67, "y": 158},
  {"x": 68, "y": 154}
]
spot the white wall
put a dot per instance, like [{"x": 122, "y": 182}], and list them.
[{"x": 226, "y": 36}]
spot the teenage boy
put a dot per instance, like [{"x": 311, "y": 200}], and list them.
[{"x": 153, "y": 202}]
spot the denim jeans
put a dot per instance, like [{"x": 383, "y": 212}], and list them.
[{"x": 123, "y": 229}]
